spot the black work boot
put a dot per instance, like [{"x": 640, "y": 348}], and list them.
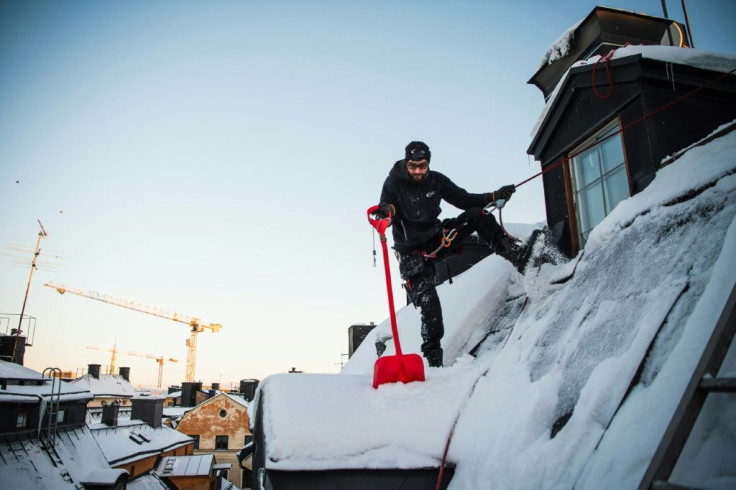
[
  {"x": 434, "y": 357},
  {"x": 511, "y": 251}
]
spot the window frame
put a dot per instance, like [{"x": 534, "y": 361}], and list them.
[
  {"x": 608, "y": 132},
  {"x": 195, "y": 437},
  {"x": 220, "y": 437},
  {"x": 22, "y": 420}
]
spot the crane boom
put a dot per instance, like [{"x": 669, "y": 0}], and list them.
[{"x": 195, "y": 326}]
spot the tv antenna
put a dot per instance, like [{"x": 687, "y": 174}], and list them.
[{"x": 34, "y": 264}]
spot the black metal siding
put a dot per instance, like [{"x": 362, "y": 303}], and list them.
[{"x": 655, "y": 106}]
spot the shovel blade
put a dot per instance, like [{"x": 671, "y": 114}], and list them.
[{"x": 394, "y": 369}]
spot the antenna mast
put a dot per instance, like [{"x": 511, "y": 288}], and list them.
[{"x": 41, "y": 234}]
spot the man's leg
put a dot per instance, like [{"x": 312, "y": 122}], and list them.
[
  {"x": 419, "y": 276},
  {"x": 432, "y": 326},
  {"x": 489, "y": 231}
]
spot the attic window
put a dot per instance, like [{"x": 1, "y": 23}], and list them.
[
  {"x": 223, "y": 413},
  {"x": 599, "y": 179}
]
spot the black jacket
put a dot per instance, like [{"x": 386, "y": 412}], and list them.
[{"x": 418, "y": 205}]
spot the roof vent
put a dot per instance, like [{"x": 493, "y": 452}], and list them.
[{"x": 583, "y": 106}]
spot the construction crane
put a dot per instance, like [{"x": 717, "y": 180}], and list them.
[
  {"x": 195, "y": 326},
  {"x": 113, "y": 357},
  {"x": 160, "y": 360}
]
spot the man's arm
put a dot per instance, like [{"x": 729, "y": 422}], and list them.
[
  {"x": 388, "y": 200},
  {"x": 459, "y": 197}
]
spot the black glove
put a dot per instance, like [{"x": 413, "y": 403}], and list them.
[
  {"x": 384, "y": 211},
  {"x": 504, "y": 192}
]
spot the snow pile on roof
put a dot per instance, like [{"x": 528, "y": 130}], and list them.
[
  {"x": 27, "y": 465},
  {"x": 578, "y": 366},
  {"x": 33, "y": 391},
  {"x": 561, "y": 47},
  {"x": 122, "y": 445},
  {"x": 106, "y": 385}
]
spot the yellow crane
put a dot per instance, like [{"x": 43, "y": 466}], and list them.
[
  {"x": 195, "y": 325},
  {"x": 160, "y": 360}
]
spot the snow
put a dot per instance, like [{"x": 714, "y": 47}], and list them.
[
  {"x": 561, "y": 47},
  {"x": 119, "y": 448},
  {"x": 578, "y": 367},
  {"x": 105, "y": 385}
]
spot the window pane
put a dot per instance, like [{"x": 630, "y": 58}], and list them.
[
  {"x": 613, "y": 154},
  {"x": 221, "y": 442},
  {"x": 591, "y": 211},
  {"x": 617, "y": 188},
  {"x": 587, "y": 167}
]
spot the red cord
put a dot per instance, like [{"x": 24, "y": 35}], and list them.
[
  {"x": 608, "y": 74},
  {"x": 452, "y": 431}
]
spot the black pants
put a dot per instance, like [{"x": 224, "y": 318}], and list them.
[{"x": 418, "y": 270}]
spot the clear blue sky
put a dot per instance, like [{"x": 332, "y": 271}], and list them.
[{"x": 217, "y": 159}]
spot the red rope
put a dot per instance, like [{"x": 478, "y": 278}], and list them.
[
  {"x": 607, "y": 58},
  {"x": 452, "y": 430}
]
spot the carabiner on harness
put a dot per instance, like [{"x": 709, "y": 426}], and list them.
[{"x": 445, "y": 242}]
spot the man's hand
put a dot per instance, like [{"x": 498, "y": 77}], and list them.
[
  {"x": 384, "y": 211},
  {"x": 504, "y": 192}
]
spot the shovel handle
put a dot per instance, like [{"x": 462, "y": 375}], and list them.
[{"x": 379, "y": 224}]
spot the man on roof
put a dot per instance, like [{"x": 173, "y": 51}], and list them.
[{"x": 411, "y": 198}]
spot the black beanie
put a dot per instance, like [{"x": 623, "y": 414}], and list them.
[{"x": 417, "y": 150}]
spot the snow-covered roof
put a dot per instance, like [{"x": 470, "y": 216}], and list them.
[
  {"x": 39, "y": 388},
  {"x": 31, "y": 467},
  {"x": 107, "y": 385},
  {"x": 132, "y": 442},
  {"x": 234, "y": 398},
  {"x": 11, "y": 370},
  {"x": 197, "y": 465},
  {"x": 578, "y": 367}
]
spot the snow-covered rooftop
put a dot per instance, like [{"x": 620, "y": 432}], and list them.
[
  {"x": 578, "y": 367},
  {"x": 135, "y": 441},
  {"x": 35, "y": 387},
  {"x": 107, "y": 385}
]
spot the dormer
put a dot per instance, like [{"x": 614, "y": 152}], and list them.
[{"x": 601, "y": 31}]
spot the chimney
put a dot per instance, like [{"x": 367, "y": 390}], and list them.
[
  {"x": 248, "y": 388},
  {"x": 215, "y": 386},
  {"x": 94, "y": 370},
  {"x": 110, "y": 414},
  {"x": 212, "y": 393},
  {"x": 356, "y": 336},
  {"x": 10, "y": 344},
  {"x": 125, "y": 373},
  {"x": 189, "y": 393},
  {"x": 149, "y": 410}
]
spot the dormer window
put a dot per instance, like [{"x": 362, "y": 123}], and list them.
[{"x": 599, "y": 179}]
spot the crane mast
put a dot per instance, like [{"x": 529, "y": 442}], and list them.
[
  {"x": 160, "y": 360},
  {"x": 195, "y": 325}
]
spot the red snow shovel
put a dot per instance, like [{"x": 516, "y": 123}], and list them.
[{"x": 400, "y": 367}]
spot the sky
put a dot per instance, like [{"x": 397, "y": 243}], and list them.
[
  {"x": 217, "y": 161},
  {"x": 606, "y": 342}
]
